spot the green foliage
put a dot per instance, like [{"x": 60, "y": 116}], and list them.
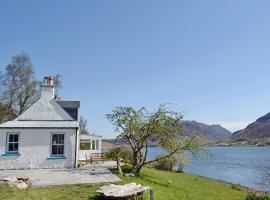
[
  {"x": 107, "y": 155},
  {"x": 123, "y": 153},
  {"x": 253, "y": 196},
  {"x": 126, "y": 155},
  {"x": 119, "y": 154},
  {"x": 126, "y": 169},
  {"x": 165, "y": 163},
  {"x": 236, "y": 187},
  {"x": 141, "y": 128}
]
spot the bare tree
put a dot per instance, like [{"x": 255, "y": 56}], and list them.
[
  {"x": 19, "y": 85},
  {"x": 57, "y": 85},
  {"x": 83, "y": 126}
]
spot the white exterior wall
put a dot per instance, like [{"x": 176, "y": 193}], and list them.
[{"x": 35, "y": 147}]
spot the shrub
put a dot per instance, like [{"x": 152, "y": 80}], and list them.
[
  {"x": 236, "y": 187},
  {"x": 165, "y": 164},
  {"x": 124, "y": 154},
  {"x": 127, "y": 168},
  {"x": 253, "y": 196},
  {"x": 105, "y": 155}
]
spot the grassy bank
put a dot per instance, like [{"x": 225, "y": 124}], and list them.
[
  {"x": 170, "y": 186},
  {"x": 166, "y": 185}
]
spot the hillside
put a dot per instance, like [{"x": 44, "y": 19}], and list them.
[
  {"x": 256, "y": 133},
  {"x": 207, "y": 133}
]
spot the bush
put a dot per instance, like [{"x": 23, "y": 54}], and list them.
[
  {"x": 127, "y": 168},
  {"x": 106, "y": 155},
  {"x": 165, "y": 164},
  {"x": 125, "y": 154},
  {"x": 253, "y": 196},
  {"x": 236, "y": 187}
]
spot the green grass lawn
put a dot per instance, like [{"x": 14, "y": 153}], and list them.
[{"x": 183, "y": 186}]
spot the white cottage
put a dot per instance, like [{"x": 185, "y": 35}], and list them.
[{"x": 45, "y": 136}]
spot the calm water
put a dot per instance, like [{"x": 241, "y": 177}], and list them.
[{"x": 247, "y": 166}]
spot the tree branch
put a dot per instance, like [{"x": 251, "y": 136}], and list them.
[{"x": 162, "y": 157}]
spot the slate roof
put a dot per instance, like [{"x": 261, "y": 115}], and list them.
[{"x": 71, "y": 107}]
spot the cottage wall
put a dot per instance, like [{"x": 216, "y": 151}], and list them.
[{"x": 34, "y": 149}]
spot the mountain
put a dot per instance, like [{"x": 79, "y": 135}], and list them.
[
  {"x": 206, "y": 133},
  {"x": 256, "y": 133}
]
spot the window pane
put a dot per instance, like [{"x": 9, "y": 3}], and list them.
[
  {"x": 61, "y": 139},
  {"x": 54, "y": 150},
  {"x": 93, "y": 145},
  {"x": 15, "y": 147},
  {"x": 60, "y": 149},
  {"x": 15, "y": 138},
  {"x": 10, "y": 147},
  {"x": 11, "y": 137},
  {"x": 85, "y": 146},
  {"x": 54, "y": 139}
]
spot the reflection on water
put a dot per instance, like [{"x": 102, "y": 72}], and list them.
[{"x": 247, "y": 166}]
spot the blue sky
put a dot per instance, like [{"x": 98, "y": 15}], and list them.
[{"x": 209, "y": 58}]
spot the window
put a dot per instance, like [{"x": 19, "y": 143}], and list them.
[
  {"x": 93, "y": 145},
  {"x": 89, "y": 145},
  {"x": 13, "y": 143},
  {"x": 58, "y": 144},
  {"x": 85, "y": 146},
  {"x": 97, "y": 144}
]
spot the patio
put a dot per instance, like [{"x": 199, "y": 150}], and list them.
[{"x": 96, "y": 173}]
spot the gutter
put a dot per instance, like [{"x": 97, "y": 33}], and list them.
[{"x": 76, "y": 145}]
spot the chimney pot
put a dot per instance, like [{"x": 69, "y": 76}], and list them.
[{"x": 48, "y": 81}]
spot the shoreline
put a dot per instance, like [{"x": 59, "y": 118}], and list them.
[{"x": 231, "y": 184}]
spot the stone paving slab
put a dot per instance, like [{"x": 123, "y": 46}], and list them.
[{"x": 96, "y": 173}]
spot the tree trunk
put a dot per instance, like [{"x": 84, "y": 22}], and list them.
[
  {"x": 135, "y": 159},
  {"x": 180, "y": 168},
  {"x": 119, "y": 167},
  {"x": 137, "y": 170}
]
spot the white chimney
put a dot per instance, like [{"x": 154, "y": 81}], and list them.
[{"x": 47, "y": 88}]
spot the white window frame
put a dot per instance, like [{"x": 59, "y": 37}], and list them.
[
  {"x": 96, "y": 145},
  {"x": 8, "y": 142},
  {"x": 51, "y": 144}
]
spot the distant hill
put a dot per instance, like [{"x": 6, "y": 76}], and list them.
[
  {"x": 206, "y": 133},
  {"x": 256, "y": 133}
]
